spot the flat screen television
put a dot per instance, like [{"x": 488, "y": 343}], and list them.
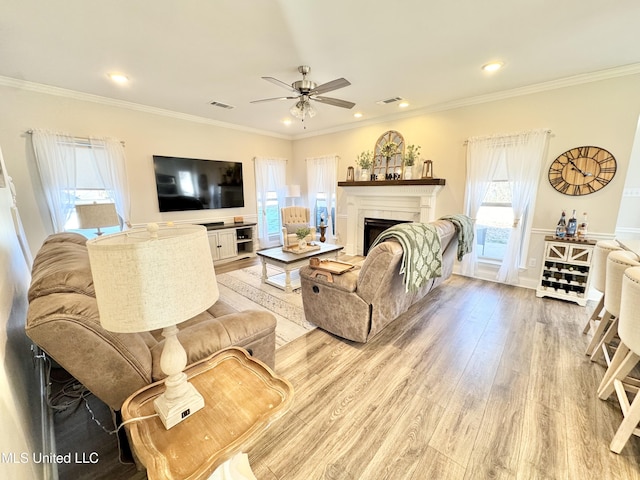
[{"x": 196, "y": 184}]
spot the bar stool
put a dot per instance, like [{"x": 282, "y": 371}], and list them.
[
  {"x": 625, "y": 359},
  {"x": 599, "y": 270},
  {"x": 617, "y": 263}
]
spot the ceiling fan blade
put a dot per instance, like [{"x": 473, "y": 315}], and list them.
[
  {"x": 280, "y": 83},
  {"x": 329, "y": 86},
  {"x": 336, "y": 102},
  {"x": 271, "y": 99}
]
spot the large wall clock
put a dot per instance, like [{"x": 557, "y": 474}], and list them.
[{"x": 582, "y": 170}]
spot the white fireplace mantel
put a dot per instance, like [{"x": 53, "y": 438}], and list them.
[{"x": 398, "y": 200}]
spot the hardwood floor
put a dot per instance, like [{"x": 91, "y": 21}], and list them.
[{"x": 478, "y": 381}]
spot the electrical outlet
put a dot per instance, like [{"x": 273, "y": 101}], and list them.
[{"x": 532, "y": 262}]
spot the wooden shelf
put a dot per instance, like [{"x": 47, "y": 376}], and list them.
[{"x": 380, "y": 183}]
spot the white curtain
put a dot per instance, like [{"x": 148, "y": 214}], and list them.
[
  {"x": 322, "y": 177},
  {"x": 56, "y": 159},
  {"x": 519, "y": 159},
  {"x": 270, "y": 177},
  {"x": 111, "y": 163},
  {"x": 482, "y": 162},
  {"x": 524, "y": 162}
]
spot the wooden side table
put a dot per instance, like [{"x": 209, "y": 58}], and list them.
[{"x": 242, "y": 397}]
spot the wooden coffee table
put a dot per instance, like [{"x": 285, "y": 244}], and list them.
[{"x": 290, "y": 263}]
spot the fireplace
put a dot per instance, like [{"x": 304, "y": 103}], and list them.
[
  {"x": 374, "y": 227},
  {"x": 402, "y": 200}
]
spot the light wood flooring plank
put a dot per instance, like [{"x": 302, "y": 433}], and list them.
[{"x": 479, "y": 380}]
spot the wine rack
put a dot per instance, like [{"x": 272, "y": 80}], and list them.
[{"x": 566, "y": 270}]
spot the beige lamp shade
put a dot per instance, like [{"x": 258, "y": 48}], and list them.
[
  {"x": 292, "y": 191},
  {"x": 96, "y": 215},
  {"x": 151, "y": 278}
]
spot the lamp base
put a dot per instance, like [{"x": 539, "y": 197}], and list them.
[{"x": 172, "y": 412}]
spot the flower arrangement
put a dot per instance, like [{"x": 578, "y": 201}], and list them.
[
  {"x": 365, "y": 159},
  {"x": 413, "y": 153},
  {"x": 389, "y": 149},
  {"x": 302, "y": 232}
]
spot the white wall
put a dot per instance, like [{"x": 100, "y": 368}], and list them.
[
  {"x": 603, "y": 113},
  {"x": 144, "y": 134},
  {"x": 19, "y": 399}
]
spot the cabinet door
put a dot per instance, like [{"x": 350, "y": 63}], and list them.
[
  {"x": 557, "y": 251},
  {"x": 580, "y": 254},
  {"x": 213, "y": 244},
  {"x": 227, "y": 243}
]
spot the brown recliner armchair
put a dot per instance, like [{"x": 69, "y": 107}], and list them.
[
  {"x": 294, "y": 218},
  {"x": 360, "y": 303},
  {"x": 63, "y": 321}
]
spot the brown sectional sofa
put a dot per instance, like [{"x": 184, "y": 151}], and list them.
[
  {"x": 359, "y": 304},
  {"x": 63, "y": 321}
]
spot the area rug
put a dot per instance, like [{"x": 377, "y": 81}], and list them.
[{"x": 243, "y": 289}]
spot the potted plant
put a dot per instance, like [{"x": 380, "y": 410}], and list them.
[
  {"x": 364, "y": 161},
  {"x": 412, "y": 154},
  {"x": 302, "y": 233}
]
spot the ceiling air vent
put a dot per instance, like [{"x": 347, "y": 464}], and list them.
[
  {"x": 222, "y": 105},
  {"x": 390, "y": 100}
]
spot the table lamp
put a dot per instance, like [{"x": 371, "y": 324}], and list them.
[
  {"x": 151, "y": 278},
  {"x": 292, "y": 191},
  {"x": 97, "y": 215}
]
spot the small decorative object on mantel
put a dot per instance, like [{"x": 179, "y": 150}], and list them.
[
  {"x": 350, "y": 174},
  {"x": 409, "y": 160},
  {"x": 427, "y": 169},
  {"x": 364, "y": 161},
  {"x": 388, "y": 154}
]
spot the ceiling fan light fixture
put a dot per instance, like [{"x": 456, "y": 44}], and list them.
[{"x": 303, "y": 109}]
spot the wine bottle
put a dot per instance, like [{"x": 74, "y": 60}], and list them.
[
  {"x": 584, "y": 224},
  {"x": 561, "y": 229},
  {"x": 572, "y": 225}
]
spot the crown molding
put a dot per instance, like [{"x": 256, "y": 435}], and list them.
[
  {"x": 600, "y": 75},
  {"x": 88, "y": 97}
]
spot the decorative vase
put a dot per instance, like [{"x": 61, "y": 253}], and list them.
[
  {"x": 364, "y": 175},
  {"x": 408, "y": 172},
  {"x": 302, "y": 243}
]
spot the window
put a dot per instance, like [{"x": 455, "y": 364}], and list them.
[
  {"x": 494, "y": 221},
  {"x": 89, "y": 189},
  {"x": 272, "y": 209},
  {"x": 270, "y": 181}
]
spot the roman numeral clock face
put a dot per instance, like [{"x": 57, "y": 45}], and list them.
[{"x": 582, "y": 170}]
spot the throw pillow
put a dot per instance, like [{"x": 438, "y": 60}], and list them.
[{"x": 292, "y": 228}]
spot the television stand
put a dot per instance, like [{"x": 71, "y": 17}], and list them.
[{"x": 231, "y": 241}]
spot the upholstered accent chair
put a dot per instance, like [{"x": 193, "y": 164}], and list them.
[{"x": 294, "y": 218}]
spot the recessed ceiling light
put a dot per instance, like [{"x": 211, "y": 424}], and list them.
[
  {"x": 492, "y": 67},
  {"x": 287, "y": 121},
  {"x": 403, "y": 104},
  {"x": 118, "y": 77},
  {"x": 357, "y": 115}
]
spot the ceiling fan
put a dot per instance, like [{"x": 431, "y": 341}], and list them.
[{"x": 306, "y": 90}]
